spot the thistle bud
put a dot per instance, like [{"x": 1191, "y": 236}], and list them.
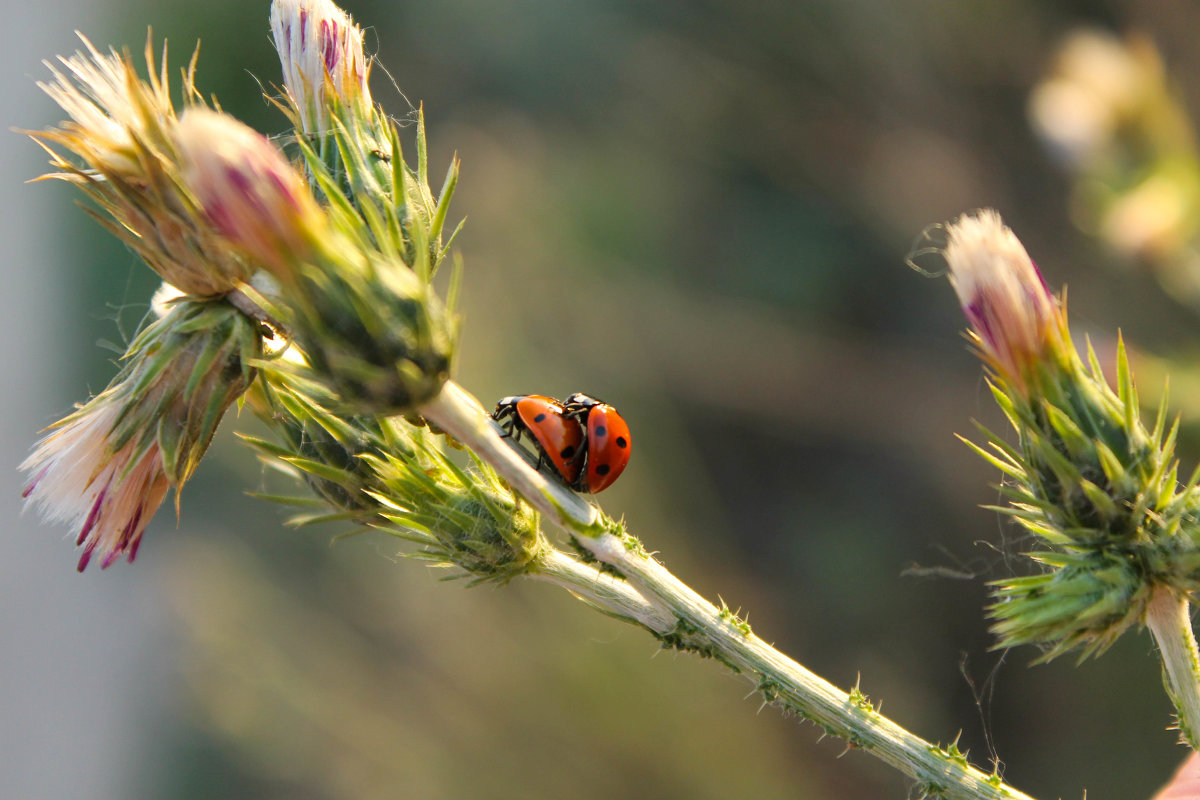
[
  {"x": 249, "y": 191},
  {"x": 371, "y": 330},
  {"x": 321, "y": 52},
  {"x": 395, "y": 476},
  {"x": 1087, "y": 479},
  {"x": 107, "y": 467},
  {"x": 1016, "y": 322}
]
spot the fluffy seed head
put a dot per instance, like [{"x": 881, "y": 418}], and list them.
[
  {"x": 107, "y": 467},
  {"x": 111, "y": 110}
]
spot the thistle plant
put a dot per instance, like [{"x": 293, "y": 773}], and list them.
[
  {"x": 1098, "y": 490},
  {"x": 326, "y": 249}
]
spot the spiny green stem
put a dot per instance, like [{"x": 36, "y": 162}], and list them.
[
  {"x": 651, "y": 596},
  {"x": 784, "y": 682},
  {"x": 1168, "y": 616}
]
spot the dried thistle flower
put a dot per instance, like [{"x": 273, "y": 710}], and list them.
[
  {"x": 121, "y": 141},
  {"x": 107, "y": 467}
]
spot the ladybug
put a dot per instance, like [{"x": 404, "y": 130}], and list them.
[
  {"x": 585, "y": 440},
  {"x": 608, "y": 441},
  {"x": 559, "y": 439}
]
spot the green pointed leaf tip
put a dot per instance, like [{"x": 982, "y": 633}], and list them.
[
  {"x": 1003, "y": 464},
  {"x": 422, "y": 148},
  {"x": 443, "y": 203},
  {"x": 1069, "y": 436}
]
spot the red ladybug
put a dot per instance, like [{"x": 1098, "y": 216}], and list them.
[
  {"x": 608, "y": 441},
  {"x": 559, "y": 439},
  {"x": 585, "y": 440}
]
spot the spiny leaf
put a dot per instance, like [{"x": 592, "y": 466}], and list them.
[
  {"x": 306, "y": 501},
  {"x": 323, "y": 471},
  {"x": 1003, "y": 464}
]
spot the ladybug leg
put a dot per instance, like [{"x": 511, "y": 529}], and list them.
[
  {"x": 507, "y": 426},
  {"x": 513, "y": 432}
]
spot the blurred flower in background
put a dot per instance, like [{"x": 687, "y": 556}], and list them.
[{"x": 1112, "y": 115}]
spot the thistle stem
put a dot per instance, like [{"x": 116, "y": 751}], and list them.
[
  {"x": 651, "y": 596},
  {"x": 1168, "y": 616},
  {"x": 608, "y": 593},
  {"x": 243, "y": 303}
]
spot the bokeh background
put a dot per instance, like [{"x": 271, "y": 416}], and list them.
[{"x": 700, "y": 212}]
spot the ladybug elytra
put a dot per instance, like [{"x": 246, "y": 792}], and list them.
[
  {"x": 608, "y": 440},
  {"x": 558, "y": 439},
  {"x": 584, "y": 439}
]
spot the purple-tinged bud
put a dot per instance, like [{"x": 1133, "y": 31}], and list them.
[
  {"x": 321, "y": 52},
  {"x": 249, "y": 190},
  {"x": 1017, "y": 322}
]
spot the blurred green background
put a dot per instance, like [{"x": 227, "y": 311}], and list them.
[{"x": 699, "y": 212}]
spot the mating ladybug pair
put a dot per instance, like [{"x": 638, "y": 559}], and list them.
[{"x": 583, "y": 439}]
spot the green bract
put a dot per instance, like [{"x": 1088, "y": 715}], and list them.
[
  {"x": 1100, "y": 493},
  {"x": 362, "y": 308},
  {"x": 390, "y": 474}
]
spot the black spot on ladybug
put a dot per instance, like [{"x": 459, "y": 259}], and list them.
[
  {"x": 539, "y": 418},
  {"x": 601, "y": 430},
  {"x": 603, "y": 469},
  {"x": 621, "y": 443},
  {"x": 568, "y": 451}
]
